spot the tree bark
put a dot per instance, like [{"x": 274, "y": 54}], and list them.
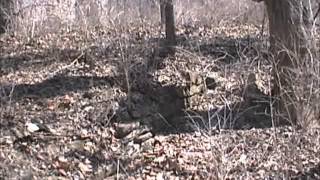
[
  {"x": 291, "y": 44},
  {"x": 4, "y": 12},
  {"x": 162, "y": 13},
  {"x": 167, "y": 17},
  {"x": 170, "y": 24}
]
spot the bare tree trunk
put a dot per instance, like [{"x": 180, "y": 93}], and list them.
[
  {"x": 167, "y": 15},
  {"x": 291, "y": 44},
  {"x": 4, "y": 14},
  {"x": 162, "y": 12},
  {"x": 170, "y": 24}
]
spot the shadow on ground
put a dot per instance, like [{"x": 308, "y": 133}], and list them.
[
  {"x": 58, "y": 85},
  {"x": 35, "y": 59},
  {"x": 312, "y": 173},
  {"x": 163, "y": 108}
]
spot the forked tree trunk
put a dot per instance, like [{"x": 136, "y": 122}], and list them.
[{"x": 291, "y": 44}]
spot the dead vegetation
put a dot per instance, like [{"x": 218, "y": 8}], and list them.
[{"x": 108, "y": 103}]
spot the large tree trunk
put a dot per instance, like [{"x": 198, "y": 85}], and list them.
[
  {"x": 291, "y": 44},
  {"x": 4, "y": 13}
]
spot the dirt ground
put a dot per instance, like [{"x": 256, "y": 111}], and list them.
[{"x": 115, "y": 104}]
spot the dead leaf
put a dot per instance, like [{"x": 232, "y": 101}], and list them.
[
  {"x": 85, "y": 168},
  {"x": 31, "y": 127}
]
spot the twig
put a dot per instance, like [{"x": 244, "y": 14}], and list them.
[
  {"x": 67, "y": 66},
  {"x": 317, "y": 13}
]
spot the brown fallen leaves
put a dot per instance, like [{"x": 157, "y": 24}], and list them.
[{"x": 95, "y": 135}]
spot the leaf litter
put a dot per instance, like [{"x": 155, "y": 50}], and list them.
[{"x": 112, "y": 105}]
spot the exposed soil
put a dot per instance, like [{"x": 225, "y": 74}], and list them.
[{"x": 116, "y": 104}]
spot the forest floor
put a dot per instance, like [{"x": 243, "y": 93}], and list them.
[{"x": 117, "y": 104}]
